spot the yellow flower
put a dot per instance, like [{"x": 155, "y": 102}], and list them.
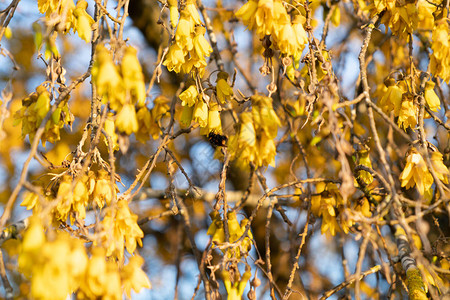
[
  {"x": 55, "y": 266},
  {"x": 146, "y": 125},
  {"x": 267, "y": 151},
  {"x": 200, "y": 113},
  {"x": 223, "y": 89},
  {"x": 247, "y": 13},
  {"x": 400, "y": 17},
  {"x": 111, "y": 131},
  {"x": 416, "y": 173},
  {"x": 126, "y": 223},
  {"x": 324, "y": 204},
  {"x": 430, "y": 96},
  {"x": 184, "y": 29},
  {"x": 264, "y": 17},
  {"x": 133, "y": 277},
  {"x": 214, "y": 122},
  {"x": 408, "y": 113},
  {"x": 63, "y": 8},
  {"x": 126, "y": 120},
  {"x": 196, "y": 65},
  {"x": 174, "y": 58},
  {"x": 120, "y": 230},
  {"x": 186, "y": 116},
  {"x": 235, "y": 286},
  {"x": 336, "y": 16},
  {"x": 173, "y": 12},
  {"x": 107, "y": 79},
  {"x": 426, "y": 18},
  {"x": 287, "y": 41},
  {"x": 242, "y": 146},
  {"x": 364, "y": 207},
  {"x": 30, "y": 200},
  {"x": 264, "y": 116},
  {"x": 201, "y": 45},
  {"x": 102, "y": 279},
  {"x": 247, "y": 135},
  {"x": 66, "y": 197},
  {"x": 235, "y": 229},
  {"x": 34, "y": 237},
  {"x": 440, "y": 169},
  {"x": 44, "y": 5},
  {"x": 280, "y": 17},
  {"x": 191, "y": 8},
  {"x": 160, "y": 107},
  {"x": 299, "y": 31},
  {"x": 80, "y": 197},
  {"x": 364, "y": 159},
  {"x": 102, "y": 192},
  {"x": 440, "y": 58},
  {"x": 189, "y": 96},
  {"x": 84, "y": 21},
  {"x": 133, "y": 79},
  {"x": 392, "y": 99}
]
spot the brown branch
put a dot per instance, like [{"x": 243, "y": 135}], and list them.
[
  {"x": 6, "y": 284},
  {"x": 267, "y": 245},
  {"x": 388, "y": 120},
  {"x": 304, "y": 234},
  {"x": 348, "y": 103},
  {"x": 212, "y": 36},
  {"x": 349, "y": 281},
  {"x": 363, "y": 73},
  {"x": 188, "y": 228},
  {"x": 436, "y": 119},
  {"x": 222, "y": 196},
  {"x": 361, "y": 255},
  {"x": 6, "y": 16}
]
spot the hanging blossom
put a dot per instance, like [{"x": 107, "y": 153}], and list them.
[
  {"x": 417, "y": 174},
  {"x": 189, "y": 49}
]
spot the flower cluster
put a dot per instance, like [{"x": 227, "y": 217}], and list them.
[
  {"x": 123, "y": 89},
  {"x": 256, "y": 131},
  {"x": 148, "y": 120},
  {"x": 417, "y": 174},
  {"x": 199, "y": 107},
  {"x": 396, "y": 98},
  {"x": 400, "y": 16},
  {"x": 119, "y": 230},
  {"x": 55, "y": 266},
  {"x": 58, "y": 265},
  {"x": 196, "y": 109},
  {"x": 118, "y": 85},
  {"x": 75, "y": 195},
  {"x": 34, "y": 110},
  {"x": 336, "y": 214},
  {"x": 235, "y": 229},
  {"x": 70, "y": 16},
  {"x": 440, "y": 58},
  {"x": 324, "y": 204},
  {"x": 189, "y": 48},
  {"x": 269, "y": 17},
  {"x": 224, "y": 92}
]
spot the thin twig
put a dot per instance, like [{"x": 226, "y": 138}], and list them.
[
  {"x": 349, "y": 281},
  {"x": 212, "y": 36},
  {"x": 6, "y": 284}
]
